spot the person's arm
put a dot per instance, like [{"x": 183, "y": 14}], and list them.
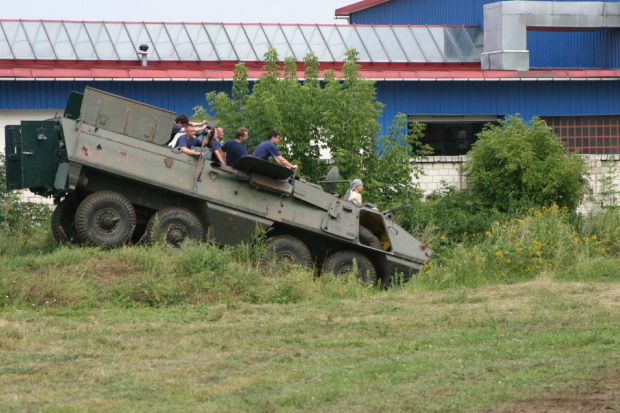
[
  {"x": 189, "y": 151},
  {"x": 197, "y": 125},
  {"x": 220, "y": 155},
  {"x": 280, "y": 159}
]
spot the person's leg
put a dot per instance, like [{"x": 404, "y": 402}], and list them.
[
  {"x": 381, "y": 264},
  {"x": 368, "y": 238}
]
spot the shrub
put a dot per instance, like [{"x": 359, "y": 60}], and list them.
[
  {"x": 452, "y": 215},
  {"x": 516, "y": 163}
]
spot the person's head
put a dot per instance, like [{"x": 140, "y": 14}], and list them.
[
  {"x": 252, "y": 149},
  {"x": 273, "y": 136},
  {"x": 181, "y": 120},
  {"x": 357, "y": 186},
  {"x": 219, "y": 133},
  {"x": 190, "y": 130},
  {"x": 241, "y": 135}
]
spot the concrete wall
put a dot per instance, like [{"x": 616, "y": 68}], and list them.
[{"x": 440, "y": 171}]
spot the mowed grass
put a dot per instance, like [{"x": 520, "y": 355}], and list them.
[{"x": 481, "y": 349}]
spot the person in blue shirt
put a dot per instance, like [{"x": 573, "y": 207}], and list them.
[
  {"x": 188, "y": 143},
  {"x": 268, "y": 148},
  {"x": 179, "y": 126},
  {"x": 218, "y": 154},
  {"x": 234, "y": 148}
]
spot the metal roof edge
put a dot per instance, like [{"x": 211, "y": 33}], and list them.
[{"x": 355, "y": 7}]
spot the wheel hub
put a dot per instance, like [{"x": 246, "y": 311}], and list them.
[
  {"x": 107, "y": 221},
  {"x": 176, "y": 234}
]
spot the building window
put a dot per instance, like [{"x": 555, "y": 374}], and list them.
[
  {"x": 452, "y": 135},
  {"x": 587, "y": 134}
]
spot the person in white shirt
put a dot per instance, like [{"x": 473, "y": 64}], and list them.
[{"x": 354, "y": 194}]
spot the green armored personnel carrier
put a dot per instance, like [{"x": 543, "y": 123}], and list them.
[{"x": 113, "y": 179}]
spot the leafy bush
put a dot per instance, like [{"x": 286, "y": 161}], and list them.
[
  {"x": 517, "y": 163},
  {"x": 452, "y": 215}
]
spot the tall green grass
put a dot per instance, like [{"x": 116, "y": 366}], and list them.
[
  {"x": 35, "y": 272},
  {"x": 547, "y": 243},
  {"x": 544, "y": 243}
]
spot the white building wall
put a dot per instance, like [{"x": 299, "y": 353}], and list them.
[{"x": 442, "y": 171}]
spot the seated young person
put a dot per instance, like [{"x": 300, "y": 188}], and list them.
[{"x": 188, "y": 143}]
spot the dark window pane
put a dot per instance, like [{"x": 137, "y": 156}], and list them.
[
  {"x": 585, "y": 121},
  {"x": 606, "y": 120},
  {"x": 578, "y": 143},
  {"x": 585, "y": 132},
  {"x": 557, "y": 131},
  {"x": 585, "y": 151},
  {"x": 592, "y": 131},
  {"x": 599, "y": 142},
  {"x": 614, "y": 132},
  {"x": 599, "y": 151},
  {"x": 607, "y": 150},
  {"x": 599, "y": 131},
  {"x": 607, "y": 142},
  {"x": 614, "y": 141},
  {"x": 592, "y": 142},
  {"x": 599, "y": 120},
  {"x": 563, "y": 121},
  {"x": 571, "y": 131},
  {"x": 571, "y": 121}
]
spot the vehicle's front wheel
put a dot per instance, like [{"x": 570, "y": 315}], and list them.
[
  {"x": 175, "y": 225},
  {"x": 286, "y": 250},
  {"x": 105, "y": 219},
  {"x": 63, "y": 221},
  {"x": 341, "y": 262}
]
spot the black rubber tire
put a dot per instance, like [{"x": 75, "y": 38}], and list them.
[
  {"x": 283, "y": 249},
  {"x": 341, "y": 262},
  {"x": 176, "y": 224},
  {"x": 63, "y": 221},
  {"x": 105, "y": 219}
]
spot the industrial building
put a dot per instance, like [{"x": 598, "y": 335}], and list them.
[{"x": 452, "y": 64}]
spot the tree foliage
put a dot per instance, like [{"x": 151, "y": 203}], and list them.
[
  {"x": 336, "y": 116},
  {"x": 516, "y": 163}
]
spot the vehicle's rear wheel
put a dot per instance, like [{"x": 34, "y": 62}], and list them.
[
  {"x": 341, "y": 262},
  {"x": 63, "y": 221},
  {"x": 175, "y": 225},
  {"x": 286, "y": 250},
  {"x": 105, "y": 219}
]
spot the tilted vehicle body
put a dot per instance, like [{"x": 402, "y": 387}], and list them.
[{"x": 106, "y": 164}]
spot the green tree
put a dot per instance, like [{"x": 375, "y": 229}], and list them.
[
  {"x": 339, "y": 116},
  {"x": 524, "y": 164}
]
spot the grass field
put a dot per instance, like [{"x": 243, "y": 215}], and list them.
[
  {"x": 524, "y": 317},
  {"x": 537, "y": 346}
]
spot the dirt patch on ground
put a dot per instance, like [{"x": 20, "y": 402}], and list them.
[
  {"x": 596, "y": 395},
  {"x": 113, "y": 269}
]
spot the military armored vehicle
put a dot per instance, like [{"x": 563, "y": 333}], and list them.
[{"x": 105, "y": 163}]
